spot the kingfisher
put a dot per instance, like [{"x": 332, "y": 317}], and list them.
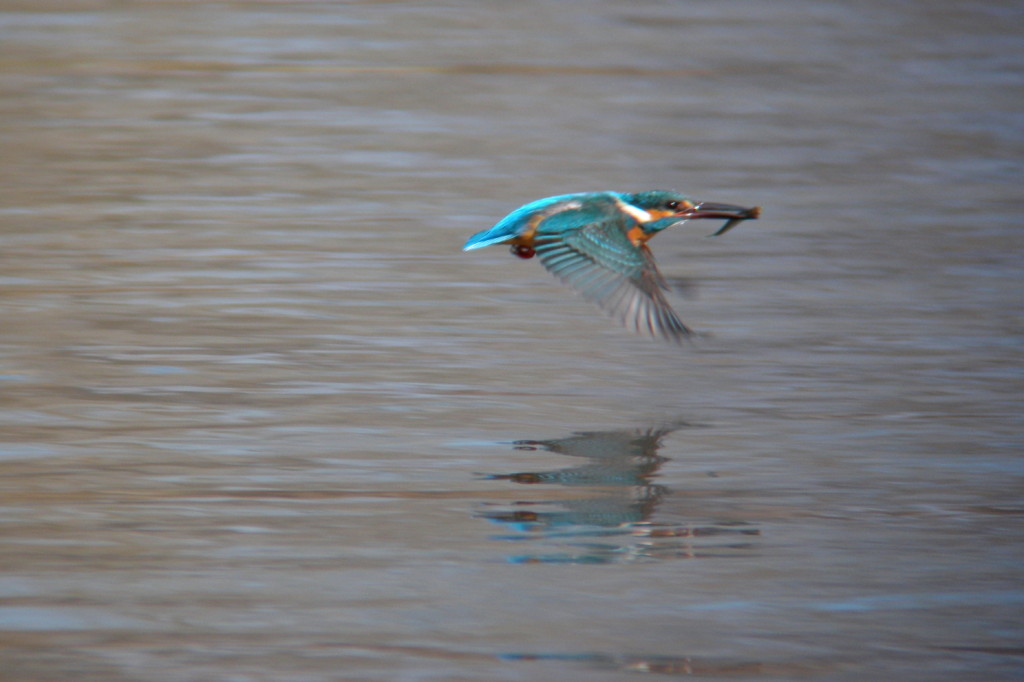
[{"x": 596, "y": 242}]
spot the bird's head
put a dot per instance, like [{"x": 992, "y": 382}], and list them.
[{"x": 668, "y": 208}]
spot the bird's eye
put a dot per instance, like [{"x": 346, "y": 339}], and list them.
[{"x": 672, "y": 205}]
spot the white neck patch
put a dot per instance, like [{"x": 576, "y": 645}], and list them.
[{"x": 640, "y": 215}]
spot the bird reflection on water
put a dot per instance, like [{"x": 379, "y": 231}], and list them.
[{"x": 612, "y": 522}]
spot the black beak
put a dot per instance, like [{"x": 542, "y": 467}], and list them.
[{"x": 732, "y": 215}]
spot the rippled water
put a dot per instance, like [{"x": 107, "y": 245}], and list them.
[{"x": 262, "y": 419}]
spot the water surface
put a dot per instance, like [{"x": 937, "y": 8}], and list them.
[{"x": 262, "y": 419}]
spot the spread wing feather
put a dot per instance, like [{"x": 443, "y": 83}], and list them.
[{"x": 602, "y": 263}]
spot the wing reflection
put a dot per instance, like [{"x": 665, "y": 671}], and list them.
[{"x": 611, "y": 521}]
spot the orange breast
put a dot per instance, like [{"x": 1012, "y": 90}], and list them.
[{"x": 637, "y": 236}]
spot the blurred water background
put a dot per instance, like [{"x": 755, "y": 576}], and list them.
[{"x": 263, "y": 420}]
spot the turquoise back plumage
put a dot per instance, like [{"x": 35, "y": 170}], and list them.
[{"x": 592, "y": 206}]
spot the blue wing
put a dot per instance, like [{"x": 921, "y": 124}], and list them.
[{"x": 601, "y": 263}]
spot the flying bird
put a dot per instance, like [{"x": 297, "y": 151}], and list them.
[{"x": 596, "y": 242}]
